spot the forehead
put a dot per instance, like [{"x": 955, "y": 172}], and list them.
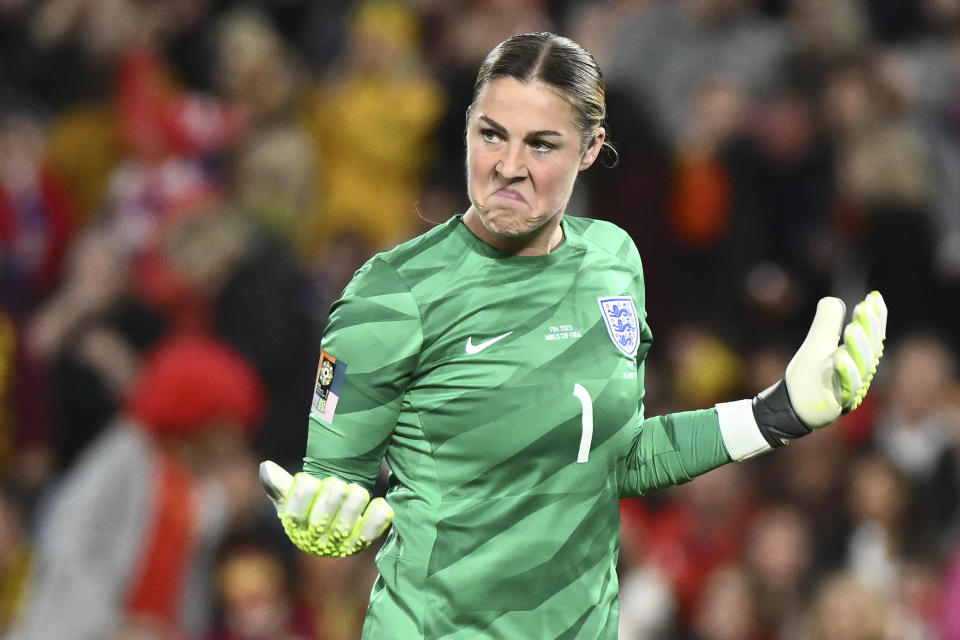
[{"x": 525, "y": 106}]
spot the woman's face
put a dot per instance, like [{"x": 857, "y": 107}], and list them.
[{"x": 523, "y": 155}]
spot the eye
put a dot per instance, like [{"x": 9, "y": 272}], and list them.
[
  {"x": 490, "y": 136},
  {"x": 541, "y": 146}
]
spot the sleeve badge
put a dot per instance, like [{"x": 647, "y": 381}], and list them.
[{"x": 326, "y": 390}]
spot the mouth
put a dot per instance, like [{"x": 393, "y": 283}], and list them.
[{"x": 510, "y": 194}]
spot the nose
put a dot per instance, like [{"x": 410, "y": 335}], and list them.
[{"x": 512, "y": 164}]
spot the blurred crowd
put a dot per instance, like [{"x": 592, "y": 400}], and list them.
[{"x": 186, "y": 186}]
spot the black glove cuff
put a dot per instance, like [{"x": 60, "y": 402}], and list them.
[{"x": 778, "y": 422}]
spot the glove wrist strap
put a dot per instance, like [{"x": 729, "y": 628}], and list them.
[{"x": 775, "y": 416}]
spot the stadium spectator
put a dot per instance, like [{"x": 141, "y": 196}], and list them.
[
  {"x": 89, "y": 337},
  {"x": 256, "y": 597},
  {"x": 128, "y": 538}
]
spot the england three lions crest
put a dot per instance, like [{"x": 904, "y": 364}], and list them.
[{"x": 623, "y": 325}]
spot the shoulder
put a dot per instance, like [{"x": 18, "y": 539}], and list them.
[
  {"x": 397, "y": 271},
  {"x": 411, "y": 261},
  {"x": 602, "y": 236},
  {"x": 427, "y": 248}
]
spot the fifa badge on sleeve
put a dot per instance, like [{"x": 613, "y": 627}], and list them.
[{"x": 326, "y": 390}]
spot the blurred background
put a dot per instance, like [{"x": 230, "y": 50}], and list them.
[{"x": 187, "y": 181}]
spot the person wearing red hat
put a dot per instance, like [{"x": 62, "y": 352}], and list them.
[{"x": 122, "y": 543}]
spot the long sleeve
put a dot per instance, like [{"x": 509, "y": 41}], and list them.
[
  {"x": 673, "y": 449},
  {"x": 369, "y": 352}
]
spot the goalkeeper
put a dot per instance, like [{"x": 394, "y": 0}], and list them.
[{"x": 497, "y": 364}]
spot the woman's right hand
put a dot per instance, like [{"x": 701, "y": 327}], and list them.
[{"x": 325, "y": 517}]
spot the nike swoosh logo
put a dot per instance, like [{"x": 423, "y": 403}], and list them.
[{"x": 477, "y": 348}]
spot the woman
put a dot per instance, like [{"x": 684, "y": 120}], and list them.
[{"x": 496, "y": 362}]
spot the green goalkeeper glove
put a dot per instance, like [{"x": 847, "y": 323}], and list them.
[
  {"x": 323, "y": 517},
  {"x": 822, "y": 381}
]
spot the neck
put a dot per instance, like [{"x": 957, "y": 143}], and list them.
[{"x": 538, "y": 242}]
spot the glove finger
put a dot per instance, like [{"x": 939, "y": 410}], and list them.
[
  {"x": 878, "y": 311},
  {"x": 275, "y": 481},
  {"x": 848, "y": 378},
  {"x": 872, "y": 314},
  {"x": 810, "y": 375},
  {"x": 330, "y": 498},
  {"x": 328, "y": 540},
  {"x": 870, "y": 321},
  {"x": 349, "y": 513},
  {"x": 875, "y": 335},
  {"x": 824, "y": 332},
  {"x": 876, "y": 303},
  {"x": 376, "y": 519},
  {"x": 858, "y": 345},
  {"x": 301, "y": 497}
]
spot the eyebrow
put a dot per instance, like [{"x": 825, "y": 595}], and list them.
[{"x": 533, "y": 134}]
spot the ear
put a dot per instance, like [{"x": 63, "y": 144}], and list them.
[{"x": 596, "y": 144}]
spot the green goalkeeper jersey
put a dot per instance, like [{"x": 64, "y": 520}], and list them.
[{"x": 506, "y": 394}]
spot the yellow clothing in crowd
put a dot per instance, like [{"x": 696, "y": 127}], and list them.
[{"x": 374, "y": 133}]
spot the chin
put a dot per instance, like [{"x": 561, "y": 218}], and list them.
[{"x": 511, "y": 224}]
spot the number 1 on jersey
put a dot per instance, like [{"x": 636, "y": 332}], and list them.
[{"x": 586, "y": 422}]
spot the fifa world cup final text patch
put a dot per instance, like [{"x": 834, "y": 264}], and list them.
[{"x": 326, "y": 390}]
